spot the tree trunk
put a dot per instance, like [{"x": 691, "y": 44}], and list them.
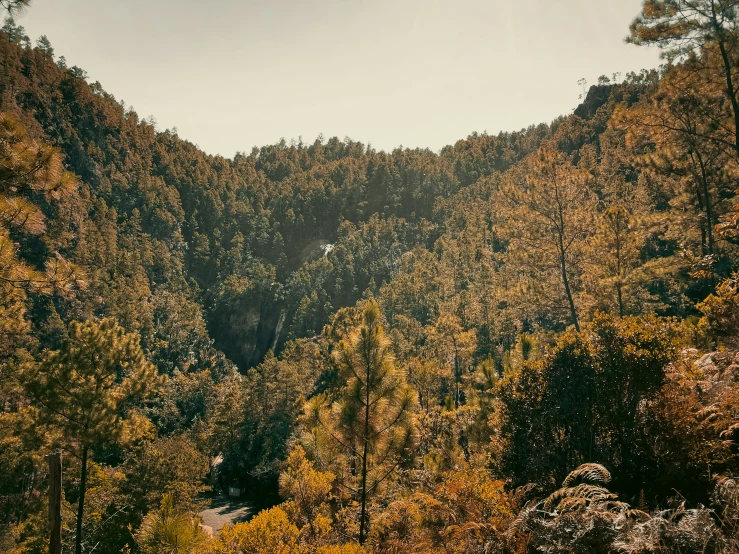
[
  {"x": 573, "y": 310},
  {"x": 566, "y": 282},
  {"x": 365, "y": 449},
  {"x": 619, "y": 283},
  {"x": 457, "y": 373},
  {"x": 707, "y": 199},
  {"x": 730, "y": 92},
  {"x": 709, "y": 220},
  {"x": 81, "y": 506},
  {"x": 55, "y": 502}
]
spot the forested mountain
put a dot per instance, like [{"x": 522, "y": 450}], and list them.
[
  {"x": 524, "y": 342},
  {"x": 239, "y": 237}
]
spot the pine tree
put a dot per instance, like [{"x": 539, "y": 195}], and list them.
[
  {"x": 677, "y": 136},
  {"x": 549, "y": 216},
  {"x": 43, "y": 43},
  {"x": 30, "y": 170},
  {"x": 371, "y": 425},
  {"x": 683, "y": 27},
  {"x": 169, "y": 530},
  {"x": 13, "y": 6},
  {"x": 451, "y": 345},
  {"x": 85, "y": 393},
  {"x": 614, "y": 257}
]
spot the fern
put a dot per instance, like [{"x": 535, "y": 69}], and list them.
[
  {"x": 522, "y": 522},
  {"x": 588, "y": 473},
  {"x": 581, "y": 494}
]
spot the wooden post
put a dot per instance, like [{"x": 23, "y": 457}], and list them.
[{"x": 55, "y": 502}]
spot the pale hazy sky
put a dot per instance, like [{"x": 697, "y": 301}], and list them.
[{"x": 232, "y": 74}]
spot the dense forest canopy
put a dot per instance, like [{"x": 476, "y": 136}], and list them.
[{"x": 524, "y": 342}]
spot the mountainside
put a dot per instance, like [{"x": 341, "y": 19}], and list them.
[
  {"x": 227, "y": 236},
  {"x": 522, "y": 343}
]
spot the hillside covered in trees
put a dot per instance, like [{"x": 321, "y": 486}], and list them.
[{"x": 526, "y": 342}]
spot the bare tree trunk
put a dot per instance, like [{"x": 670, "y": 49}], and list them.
[
  {"x": 566, "y": 282},
  {"x": 730, "y": 92},
  {"x": 365, "y": 450},
  {"x": 81, "y": 506},
  {"x": 708, "y": 208},
  {"x": 573, "y": 310},
  {"x": 55, "y": 502},
  {"x": 457, "y": 373},
  {"x": 619, "y": 292},
  {"x": 619, "y": 270}
]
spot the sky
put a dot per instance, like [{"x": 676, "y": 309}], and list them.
[{"x": 233, "y": 74}]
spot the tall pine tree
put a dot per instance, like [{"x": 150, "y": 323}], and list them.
[
  {"x": 85, "y": 394},
  {"x": 371, "y": 424}
]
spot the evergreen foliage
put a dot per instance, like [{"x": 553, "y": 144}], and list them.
[{"x": 526, "y": 342}]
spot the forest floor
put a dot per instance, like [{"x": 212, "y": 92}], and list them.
[{"x": 224, "y": 510}]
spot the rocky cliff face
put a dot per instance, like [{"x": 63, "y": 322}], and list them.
[
  {"x": 267, "y": 322},
  {"x": 597, "y": 96}
]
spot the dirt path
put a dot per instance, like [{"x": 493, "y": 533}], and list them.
[{"x": 223, "y": 511}]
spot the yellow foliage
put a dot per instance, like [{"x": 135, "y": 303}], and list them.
[
  {"x": 270, "y": 532},
  {"x": 721, "y": 309},
  {"x": 349, "y": 548}
]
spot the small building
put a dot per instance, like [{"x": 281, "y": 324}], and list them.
[{"x": 235, "y": 491}]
